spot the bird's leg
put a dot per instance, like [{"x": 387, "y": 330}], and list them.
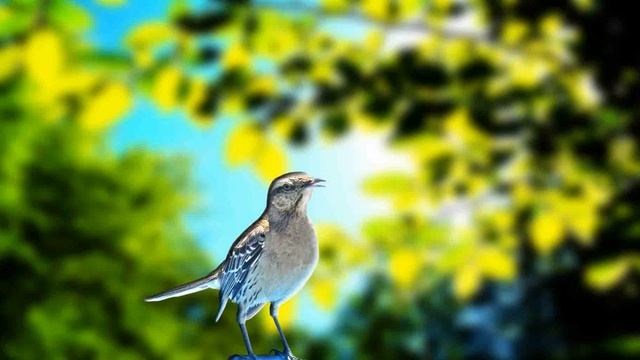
[
  {"x": 247, "y": 341},
  {"x": 241, "y": 318},
  {"x": 287, "y": 354}
]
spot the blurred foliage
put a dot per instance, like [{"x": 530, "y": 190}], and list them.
[
  {"x": 84, "y": 235},
  {"x": 523, "y": 133}
]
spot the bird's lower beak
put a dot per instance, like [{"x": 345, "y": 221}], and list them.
[{"x": 316, "y": 183}]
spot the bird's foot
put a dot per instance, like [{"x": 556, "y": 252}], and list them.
[
  {"x": 242, "y": 357},
  {"x": 287, "y": 355},
  {"x": 261, "y": 357}
]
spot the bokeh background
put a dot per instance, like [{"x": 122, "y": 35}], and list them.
[{"x": 482, "y": 163}]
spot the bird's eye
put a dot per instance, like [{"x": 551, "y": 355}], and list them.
[{"x": 287, "y": 187}]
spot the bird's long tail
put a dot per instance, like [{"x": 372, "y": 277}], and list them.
[{"x": 210, "y": 281}]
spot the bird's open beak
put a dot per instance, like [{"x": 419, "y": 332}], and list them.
[{"x": 316, "y": 183}]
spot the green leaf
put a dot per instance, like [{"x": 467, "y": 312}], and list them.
[{"x": 67, "y": 15}]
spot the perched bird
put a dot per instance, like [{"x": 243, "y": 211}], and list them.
[{"x": 269, "y": 262}]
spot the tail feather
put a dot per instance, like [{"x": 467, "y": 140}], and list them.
[{"x": 210, "y": 281}]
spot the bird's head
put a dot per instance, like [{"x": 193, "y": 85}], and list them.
[{"x": 291, "y": 191}]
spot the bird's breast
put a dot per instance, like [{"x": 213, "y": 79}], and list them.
[{"x": 289, "y": 257}]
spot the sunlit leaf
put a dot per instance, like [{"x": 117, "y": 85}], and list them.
[
  {"x": 497, "y": 264},
  {"x": 112, "y": 2},
  {"x": 166, "y": 88},
  {"x": 271, "y": 161},
  {"x": 335, "y": 5},
  {"x": 149, "y": 34},
  {"x": 198, "y": 98},
  {"x": 107, "y": 106},
  {"x": 376, "y": 9},
  {"x": 243, "y": 144},
  {"x": 584, "y": 224},
  {"x": 44, "y": 57},
  {"x": 546, "y": 231},
  {"x": 236, "y": 56},
  {"x": 527, "y": 72},
  {"x": 606, "y": 274},
  {"x": 10, "y": 59},
  {"x": 405, "y": 266},
  {"x": 466, "y": 281},
  {"x": 325, "y": 292},
  {"x": 514, "y": 31},
  {"x": 262, "y": 85},
  {"x": 389, "y": 184}
]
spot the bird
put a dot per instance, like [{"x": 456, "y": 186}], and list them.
[{"x": 269, "y": 262}]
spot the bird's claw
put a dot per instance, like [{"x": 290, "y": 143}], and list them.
[{"x": 285, "y": 355}]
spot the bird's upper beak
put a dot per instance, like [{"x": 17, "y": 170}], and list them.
[{"x": 315, "y": 182}]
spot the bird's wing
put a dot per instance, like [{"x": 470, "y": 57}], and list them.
[{"x": 242, "y": 257}]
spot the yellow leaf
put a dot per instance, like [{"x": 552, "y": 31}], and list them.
[
  {"x": 527, "y": 73},
  {"x": 44, "y": 57},
  {"x": 107, "y": 106},
  {"x": 167, "y": 86},
  {"x": 335, "y": 5},
  {"x": 113, "y": 3},
  {"x": 514, "y": 31},
  {"x": 457, "y": 52},
  {"x": 551, "y": 24},
  {"x": 196, "y": 96},
  {"x": 497, "y": 264},
  {"x": 143, "y": 58},
  {"x": 622, "y": 154},
  {"x": 373, "y": 41},
  {"x": 584, "y": 91},
  {"x": 404, "y": 267},
  {"x": 442, "y": 4},
  {"x": 583, "y": 224},
  {"x": 78, "y": 81},
  {"x": 149, "y": 34},
  {"x": 466, "y": 281},
  {"x": 388, "y": 184},
  {"x": 322, "y": 71},
  {"x": 243, "y": 144},
  {"x": 232, "y": 104},
  {"x": 503, "y": 220},
  {"x": 459, "y": 126},
  {"x": 276, "y": 39},
  {"x": 606, "y": 274},
  {"x": 376, "y": 9},
  {"x": 584, "y": 5},
  {"x": 9, "y": 61},
  {"x": 546, "y": 232},
  {"x": 271, "y": 161},
  {"x": 236, "y": 56},
  {"x": 426, "y": 147},
  {"x": 262, "y": 85},
  {"x": 324, "y": 292},
  {"x": 522, "y": 194},
  {"x": 284, "y": 125},
  {"x": 408, "y": 8}
]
